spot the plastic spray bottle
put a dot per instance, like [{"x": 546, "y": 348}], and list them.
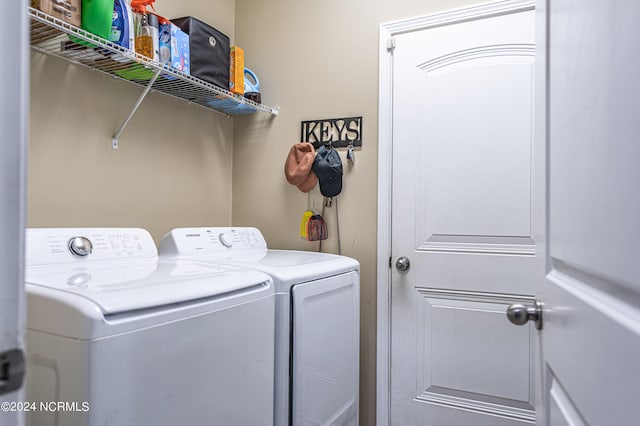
[{"x": 146, "y": 40}]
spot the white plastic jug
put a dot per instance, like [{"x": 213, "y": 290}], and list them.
[{"x": 249, "y": 86}]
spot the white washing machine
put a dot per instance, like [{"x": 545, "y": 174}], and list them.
[
  {"x": 317, "y": 320},
  {"x": 116, "y": 336}
]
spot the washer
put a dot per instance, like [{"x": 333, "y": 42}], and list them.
[
  {"x": 317, "y": 320},
  {"x": 116, "y": 336}
]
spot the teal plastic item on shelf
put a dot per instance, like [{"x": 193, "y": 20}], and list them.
[
  {"x": 250, "y": 87},
  {"x": 232, "y": 106}
]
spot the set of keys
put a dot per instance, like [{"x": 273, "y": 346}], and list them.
[{"x": 351, "y": 156}]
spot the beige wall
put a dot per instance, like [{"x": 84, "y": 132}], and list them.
[
  {"x": 316, "y": 60},
  {"x": 174, "y": 164}
]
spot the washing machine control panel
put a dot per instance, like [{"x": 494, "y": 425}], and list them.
[
  {"x": 61, "y": 245},
  {"x": 217, "y": 242}
]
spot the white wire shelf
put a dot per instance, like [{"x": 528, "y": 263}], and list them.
[{"x": 57, "y": 38}]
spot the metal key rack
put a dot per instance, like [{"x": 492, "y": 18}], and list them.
[{"x": 57, "y": 38}]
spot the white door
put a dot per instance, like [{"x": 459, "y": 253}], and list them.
[
  {"x": 13, "y": 124},
  {"x": 462, "y": 215},
  {"x": 591, "y": 296}
]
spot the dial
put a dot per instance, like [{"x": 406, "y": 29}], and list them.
[
  {"x": 226, "y": 238},
  {"x": 80, "y": 246}
]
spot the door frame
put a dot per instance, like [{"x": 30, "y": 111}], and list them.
[
  {"x": 385, "y": 158},
  {"x": 14, "y": 116}
]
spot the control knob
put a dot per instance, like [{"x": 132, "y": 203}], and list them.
[
  {"x": 226, "y": 238},
  {"x": 80, "y": 246}
]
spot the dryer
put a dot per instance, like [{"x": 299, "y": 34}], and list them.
[
  {"x": 317, "y": 319},
  {"x": 116, "y": 336}
]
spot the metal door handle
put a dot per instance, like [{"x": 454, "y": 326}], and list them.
[
  {"x": 403, "y": 264},
  {"x": 520, "y": 314},
  {"x": 11, "y": 371}
]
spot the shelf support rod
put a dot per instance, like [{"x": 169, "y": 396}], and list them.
[{"x": 114, "y": 140}]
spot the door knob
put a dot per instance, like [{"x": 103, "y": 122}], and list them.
[
  {"x": 520, "y": 314},
  {"x": 403, "y": 264}
]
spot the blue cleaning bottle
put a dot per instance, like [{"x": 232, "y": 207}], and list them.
[{"x": 122, "y": 25}]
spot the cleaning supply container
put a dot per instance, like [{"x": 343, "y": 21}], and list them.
[
  {"x": 146, "y": 34},
  {"x": 122, "y": 25},
  {"x": 252, "y": 86},
  {"x": 236, "y": 71},
  {"x": 164, "y": 41},
  {"x": 153, "y": 28},
  {"x": 97, "y": 16}
]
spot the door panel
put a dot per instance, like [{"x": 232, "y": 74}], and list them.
[
  {"x": 591, "y": 295},
  {"x": 593, "y": 136},
  {"x": 591, "y": 346},
  {"x": 456, "y": 361},
  {"x": 480, "y": 185},
  {"x": 462, "y": 187},
  {"x": 462, "y": 359},
  {"x": 561, "y": 410}
]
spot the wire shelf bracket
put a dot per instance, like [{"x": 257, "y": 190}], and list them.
[{"x": 114, "y": 140}]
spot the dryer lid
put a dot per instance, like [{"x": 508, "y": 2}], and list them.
[
  {"x": 288, "y": 267},
  {"x": 245, "y": 246}
]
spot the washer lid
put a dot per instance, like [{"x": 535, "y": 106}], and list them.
[{"x": 118, "y": 287}]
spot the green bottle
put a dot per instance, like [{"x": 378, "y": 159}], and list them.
[{"x": 97, "y": 16}]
